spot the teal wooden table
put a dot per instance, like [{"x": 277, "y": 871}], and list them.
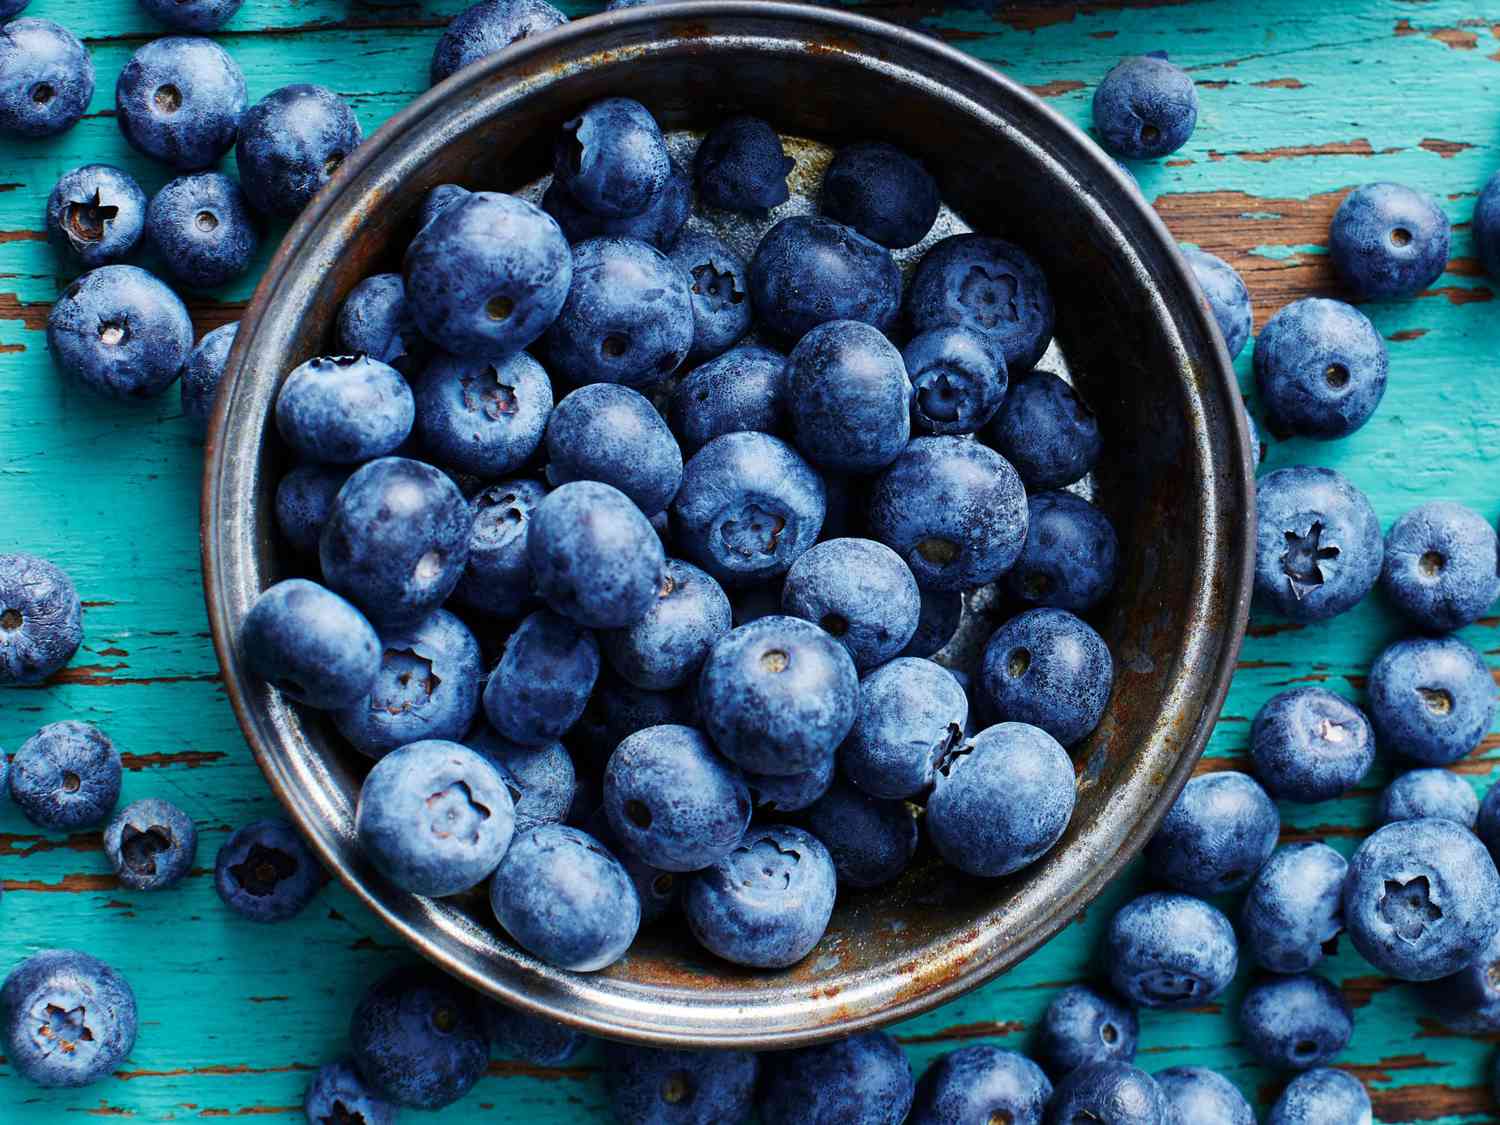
[{"x": 1300, "y": 102}]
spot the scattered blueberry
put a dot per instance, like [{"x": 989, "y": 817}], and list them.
[
  {"x": 742, "y": 389},
  {"x": 1487, "y": 226},
  {"x": 202, "y": 372},
  {"x": 883, "y": 193},
  {"x": 1116, "y": 1092},
  {"x": 1469, "y": 1000},
  {"x": 1432, "y": 699},
  {"x": 1196, "y": 1094},
  {"x": 958, "y": 380},
  {"x": 870, "y": 839},
  {"x": 1442, "y": 566},
  {"x": 1422, "y": 793},
  {"x": 418, "y": 1039},
  {"x": 46, "y": 78},
  {"x": 203, "y": 229},
  {"x": 767, "y": 902},
  {"x": 180, "y": 99},
  {"x": 1321, "y": 1096},
  {"x": 1294, "y": 910},
  {"x": 981, "y": 1084},
  {"x": 1051, "y": 669},
  {"x": 151, "y": 844},
  {"x": 1217, "y": 834},
  {"x": 989, "y": 285},
  {"x": 1320, "y": 368},
  {"x": 847, "y": 394},
  {"x": 96, "y": 212},
  {"x": 650, "y": 1086},
  {"x": 741, "y": 166},
  {"x": 484, "y": 417},
  {"x": 608, "y": 433},
  {"x": 121, "y": 331},
  {"x": 1295, "y": 1022},
  {"x": 266, "y": 873},
  {"x": 66, "y": 776},
  {"x": 809, "y": 270},
  {"x": 1046, "y": 431},
  {"x": 339, "y": 1094},
  {"x": 1318, "y": 547},
  {"x": 666, "y": 647},
  {"x": 1170, "y": 951},
  {"x": 858, "y": 591},
  {"x": 1071, "y": 557},
  {"x": 862, "y": 1080},
  {"x": 535, "y": 1039},
  {"x": 1085, "y": 1025},
  {"x": 1145, "y": 107},
  {"x": 487, "y": 28},
  {"x": 1226, "y": 296},
  {"x": 290, "y": 144},
  {"x": 543, "y": 680},
  {"x": 1309, "y": 745},
  {"x": 69, "y": 1019},
  {"x": 1388, "y": 240},
  {"x": 41, "y": 619}
]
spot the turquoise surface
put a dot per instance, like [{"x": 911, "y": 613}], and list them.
[{"x": 1299, "y": 103}]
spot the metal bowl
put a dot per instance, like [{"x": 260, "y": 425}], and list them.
[{"x": 1177, "y": 481}]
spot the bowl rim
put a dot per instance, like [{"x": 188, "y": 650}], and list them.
[{"x": 1220, "y": 381}]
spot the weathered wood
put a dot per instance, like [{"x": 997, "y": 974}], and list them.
[{"x": 1300, "y": 102}]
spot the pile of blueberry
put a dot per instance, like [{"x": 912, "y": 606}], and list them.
[{"x": 632, "y": 554}]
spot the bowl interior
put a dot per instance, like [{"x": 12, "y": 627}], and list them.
[{"x": 1176, "y": 481}]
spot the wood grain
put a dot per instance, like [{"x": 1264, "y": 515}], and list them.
[{"x": 1300, "y": 102}]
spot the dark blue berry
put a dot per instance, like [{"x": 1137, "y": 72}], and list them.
[
  {"x": 535, "y": 1039},
  {"x": 871, "y": 840},
  {"x": 1319, "y": 1097},
  {"x": 69, "y": 1019},
  {"x": 847, "y": 394},
  {"x": 938, "y": 620},
  {"x": 1432, "y": 699},
  {"x": 1487, "y": 226},
  {"x": 195, "y": 15},
  {"x": 650, "y": 1086},
  {"x": 1196, "y": 1093},
  {"x": 743, "y": 389},
  {"x": 418, "y": 1039},
  {"x": 203, "y": 229},
  {"x": 1046, "y": 431},
  {"x": 66, "y": 776},
  {"x": 497, "y": 575},
  {"x": 1145, "y": 107},
  {"x": 666, "y": 647},
  {"x": 1388, "y": 240},
  {"x": 1071, "y": 557},
  {"x": 304, "y": 501},
  {"x": 344, "y": 409},
  {"x": 265, "y": 872},
  {"x": 720, "y": 291},
  {"x": 809, "y": 270},
  {"x": 484, "y": 417},
  {"x": 1309, "y": 745},
  {"x": 1294, "y": 910},
  {"x": 375, "y": 320},
  {"x": 1442, "y": 566},
  {"x": 883, "y": 193},
  {"x": 1294, "y": 1023},
  {"x": 741, "y": 166},
  {"x": 1085, "y": 1025},
  {"x": 290, "y": 144},
  {"x": 958, "y": 380},
  {"x": 594, "y": 557},
  {"x": 989, "y": 285},
  {"x": 487, "y": 28},
  {"x": 541, "y": 779},
  {"x": 1116, "y": 1092},
  {"x": 658, "y": 224},
  {"x": 1226, "y": 296},
  {"x": 911, "y": 716},
  {"x": 1320, "y": 369},
  {"x": 1051, "y": 669},
  {"x": 46, "y": 78},
  {"x": 543, "y": 680},
  {"x": 1170, "y": 951},
  {"x": 180, "y": 99},
  {"x": 310, "y": 644},
  {"x": 338, "y": 1093},
  {"x": 793, "y": 792},
  {"x": 1469, "y": 1000},
  {"x": 121, "y": 331},
  {"x": 864, "y": 1079},
  {"x": 1219, "y": 831},
  {"x": 151, "y": 844},
  {"x": 1318, "y": 548},
  {"x": 1429, "y": 792},
  {"x": 97, "y": 213},
  {"x": 201, "y": 373},
  {"x": 603, "y": 432},
  {"x": 858, "y": 591},
  {"x": 612, "y": 158},
  {"x": 980, "y": 1084},
  {"x": 41, "y": 619}
]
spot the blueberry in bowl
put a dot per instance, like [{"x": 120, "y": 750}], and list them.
[{"x": 1111, "y": 305}]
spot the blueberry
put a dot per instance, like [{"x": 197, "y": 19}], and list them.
[
  {"x": 1310, "y": 745},
  {"x": 1322, "y": 1096},
  {"x": 1051, "y": 669},
  {"x": 290, "y": 144},
  {"x": 778, "y": 695},
  {"x": 418, "y": 1039},
  {"x": 1320, "y": 368},
  {"x": 46, "y": 78},
  {"x": 437, "y": 200},
  {"x": 310, "y": 644},
  {"x": 1046, "y": 431},
  {"x": 1170, "y": 951},
  {"x": 10, "y": 8},
  {"x": 1442, "y": 566},
  {"x": 1215, "y": 837},
  {"x": 595, "y": 558},
  {"x": 1295, "y": 1022},
  {"x": 203, "y": 229},
  {"x": 487, "y": 274},
  {"x": 344, "y": 409},
  {"x": 180, "y": 100},
  {"x": 980, "y": 1084},
  {"x": 487, "y": 28},
  {"x": 338, "y": 1093},
  {"x": 540, "y": 779},
  {"x": 1293, "y": 912},
  {"x": 1487, "y": 823},
  {"x": 41, "y": 619},
  {"x": 497, "y": 575},
  {"x": 265, "y": 872},
  {"x": 375, "y": 320},
  {"x": 858, "y": 591},
  {"x": 151, "y": 844},
  {"x": 953, "y": 509},
  {"x": 937, "y": 622},
  {"x": 1318, "y": 548},
  {"x": 741, "y": 166},
  {"x": 1487, "y": 226},
  {"x": 97, "y": 213},
  {"x": 194, "y": 15},
  {"x": 1001, "y": 800},
  {"x": 1195, "y": 1093},
  {"x": 565, "y": 900},
  {"x": 861, "y": 1080},
  {"x": 535, "y": 1039},
  {"x": 121, "y": 331},
  {"x": 745, "y": 388},
  {"x": 1115, "y": 1092},
  {"x": 871, "y": 840},
  {"x": 672, "y": 801},
  {"x": 202, "y": 372},
  {"x": 748, "y": 507},
  {"x": 721, "y": 305},
  {"x": 911, "y": 716},
  {"x": 1422, "y": 899},
  {"x": 767, "y": 902},
  {"x": 958, "y": 379},
  {"x": 628, "y": 317},
  {"x": 434, "y": 817},
  {"x": 1224, "y": 294},
  {"x": 793, "y": 792},
  {"x": 1071, "y": 557},
  {"x": 69, "y": 1019},
  {"x": 612, "y": 158},
  {"x": 1469, "y": 1000},
  {"x": 847, "y": 394},
  {"x": 650, "y": 1086},
  {"x": 1145, "y": 107},
  {"x": 397, "y": 540},
  {"x": 666, "y": 647},
  {"x": 1429, "y": 793},
  {"x": 304, "y": 501},
  {"x": 427, "y": 686},
  {"x": 66, "y": 776},
  {"x": 1388, "y": 240},
  {"x": 543, "y": 680},
  {"x": 657, "y": 889},
  {"x": 658, "y": 224},
  {"x": 1085, "y": 1025},
  {"x": 988, "y": 285},
  {"x": 484, "y": 417},
  {"x": 809, "y": 270},
  {"x": 1432, "y": 699},
  {"x": 883, "y": 193},
  {"x": 603, "y": 432}
]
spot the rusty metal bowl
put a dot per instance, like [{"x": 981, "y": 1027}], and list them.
[{"x": 1177, "y": 481}]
